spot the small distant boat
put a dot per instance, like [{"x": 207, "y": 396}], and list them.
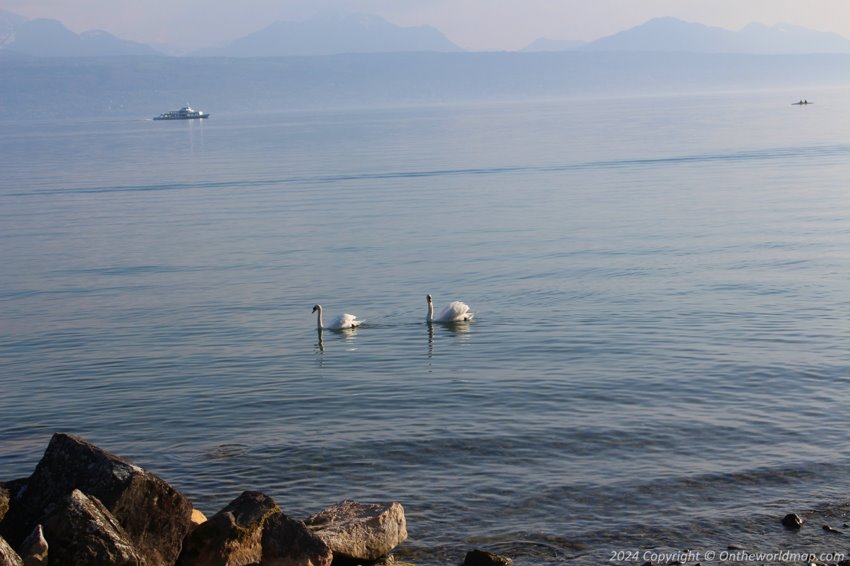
[
  {"x": 185, "y": 113},
  {"x": 801, "y": 103}
]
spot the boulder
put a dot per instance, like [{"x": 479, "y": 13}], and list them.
[
  {"x": 154, "y": 515},
  {"x": 483, "y": 558},
  {"x": 231, "y": 537},
  {"x": 8, "y": 557},
  {"x": 792, "y": 521},
  {"x": 83, "y": 532},
  {"x": 34, "y": 549},
  {"x": 288, "y": 542},
  {"x": 360, "y": 532}
]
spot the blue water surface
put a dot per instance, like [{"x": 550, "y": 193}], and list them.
[{"x": 660, "y": 355}]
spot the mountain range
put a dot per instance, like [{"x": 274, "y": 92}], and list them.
[
  {"x": 45, "y": 38},
  {"x": 338, "y": 33},
  {"x": 671, "y": 34},
  {"x": 334, "y": 33}
]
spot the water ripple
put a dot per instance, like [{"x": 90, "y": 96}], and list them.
[{"x": 782, "y": 154}]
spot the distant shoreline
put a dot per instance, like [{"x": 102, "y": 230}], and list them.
[{"x": 142, "y": 85}]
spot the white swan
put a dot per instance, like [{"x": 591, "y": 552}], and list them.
[
  {"x": 339, "y": 323},
  {"x": 455, "y": 311}
]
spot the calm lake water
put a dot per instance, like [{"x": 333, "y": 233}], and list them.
[{"x": 660, "y": 357}]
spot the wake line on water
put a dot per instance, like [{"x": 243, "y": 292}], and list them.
[{"x": 736, "y": 157}]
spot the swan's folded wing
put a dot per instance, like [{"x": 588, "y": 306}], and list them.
[
  {"x": 347, "y": 321},
  {"x": 456, "y": 310}
]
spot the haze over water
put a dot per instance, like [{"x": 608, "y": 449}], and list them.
[{"x": 659, "y": 357}]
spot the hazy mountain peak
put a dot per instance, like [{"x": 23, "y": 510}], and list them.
[
  {"x": 672, "y": 34},
  {"x": 666, "y": 21},
  {"x": 335, "y": 32},
  {"x": 758, "y": 26},
  {"x": 50, "y": 38},
  {"x": 97, "y": 34},
  {"x": 341, "y": 16}
]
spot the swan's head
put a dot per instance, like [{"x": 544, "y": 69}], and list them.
[
  {"x": 317, "y": 308},
  {"x": 429, "y": 299}
]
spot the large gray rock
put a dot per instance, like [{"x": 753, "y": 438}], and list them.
[
  {"x": 83, "y": 532},
  {"x": 155, "y": 516},
  {"x": 8, "y": 556},
  {"x": 288, "y": 542},
  {"x": 792, "y": 521},
  {"x": 231, "y": 537},
  {"x": 356, "y": 531}
]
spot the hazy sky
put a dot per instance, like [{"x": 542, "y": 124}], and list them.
[{"x": 472, "y": 24}]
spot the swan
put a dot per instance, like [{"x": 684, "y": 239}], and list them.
[
  {"x": 455, "y": 311},
  {"x": 339, "y": 323}
]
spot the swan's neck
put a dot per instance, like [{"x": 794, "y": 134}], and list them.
[
  {"x": 430, "y": 312},
  {"x": 319, "y": 323}
]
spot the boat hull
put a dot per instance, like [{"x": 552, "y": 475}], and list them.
[
  {"x": 198, "y": 117},
  {"x": 185, "y": 113}
]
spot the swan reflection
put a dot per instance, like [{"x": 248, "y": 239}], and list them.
[
  {"x": 460, "y": 330},
  {"x": 348, "y": 335}
]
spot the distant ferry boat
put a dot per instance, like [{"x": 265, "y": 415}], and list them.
[{"x": 185, "y": 113}]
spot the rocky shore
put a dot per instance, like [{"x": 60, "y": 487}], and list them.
[{"x": 85, "y": 506}]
